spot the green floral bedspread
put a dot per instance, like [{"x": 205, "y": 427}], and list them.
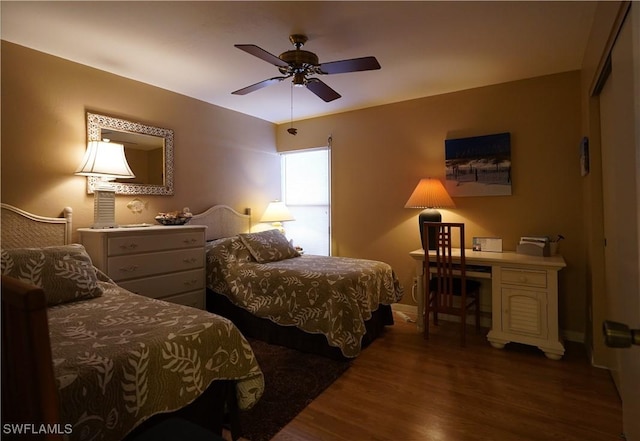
[
  {"x": 121, "y": 358},
  {"x": 333, "y": 296}
]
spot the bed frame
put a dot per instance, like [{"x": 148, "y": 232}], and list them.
[
  {"x": 23, "y": 230},
  {"x": 29, "y": 391},
  {"x": 27, "y": 367},
  {"x": 224, "y": 221}
]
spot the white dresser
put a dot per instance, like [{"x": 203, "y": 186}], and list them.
[{"x": 166, "y": 263}]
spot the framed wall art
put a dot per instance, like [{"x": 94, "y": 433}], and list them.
[
  {"x": 584, "y": 156},
  {"x": 479, "y": 165}
]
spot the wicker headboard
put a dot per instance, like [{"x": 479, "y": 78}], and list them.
[
  {"x": 28, "y": 381},
  {"x": 222, "y": 221},
  {"x": 23, "y": 230}
]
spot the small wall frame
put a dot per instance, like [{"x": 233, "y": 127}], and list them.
[{"x": 584, "y": 156}]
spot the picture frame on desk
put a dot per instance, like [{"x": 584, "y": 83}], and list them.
[{"x": 490, "y": 244}]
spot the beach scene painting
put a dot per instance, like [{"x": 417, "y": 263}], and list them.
[{"x": 478, "y": 166}]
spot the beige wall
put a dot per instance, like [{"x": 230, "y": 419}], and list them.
[
  {"x": 379, "y": 154},
  {"x": 221, "y": 156}
]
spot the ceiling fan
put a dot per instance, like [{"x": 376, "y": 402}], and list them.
[{"x": 302, "y": 65}]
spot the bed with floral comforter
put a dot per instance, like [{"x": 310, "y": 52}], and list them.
[
  {"x": 333, "y": 296},
  {"x": 136, "y": 357},
  {"x": 120, "y": 358}
]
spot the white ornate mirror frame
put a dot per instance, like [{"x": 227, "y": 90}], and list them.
[{"x": 95, "y": 124}]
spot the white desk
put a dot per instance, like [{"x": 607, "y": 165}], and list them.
[{"x": 524, "y": 297}]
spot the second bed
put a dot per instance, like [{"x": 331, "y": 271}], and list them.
[{"x": 333, "y": 306}]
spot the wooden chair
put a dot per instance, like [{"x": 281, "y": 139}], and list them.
[
  {"x": 29, "y": 391},
  {"x": 448, "y": 290}
]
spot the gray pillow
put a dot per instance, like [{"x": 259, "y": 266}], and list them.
[
  {"x": 65, "y": 273},
  {"x": 268, "y": 246}
]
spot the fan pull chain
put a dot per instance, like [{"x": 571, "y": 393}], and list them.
[{"x": 291, "y": 129}]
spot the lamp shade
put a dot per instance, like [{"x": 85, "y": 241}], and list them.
[
  {"x": 430, "y": 193},
  {"x": 277, "y": 212},
  {"x": 106, "y": 160}
]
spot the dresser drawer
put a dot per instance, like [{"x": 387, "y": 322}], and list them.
[
  {"x": 523, "y": 277},
  {"x": 117, "y": 246},
  {"x": 166, "y": 285},
  {"x": 143, "y": 265},
  {"x": 194, "y": 299}
]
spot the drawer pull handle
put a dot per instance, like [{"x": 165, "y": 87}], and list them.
[
  {"x": 189, "y": 241},
  {"x": 190, "y": 282},
  {"x": 131, "y": 246},
  {"x": 190, "y": 260},
  {"x": 129, "y": 269}
]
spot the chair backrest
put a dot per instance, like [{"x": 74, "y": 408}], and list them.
[
  {"x": 441, "y": 260},
  {"x": 29, "y": 391}
]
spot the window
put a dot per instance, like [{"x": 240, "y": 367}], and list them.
[{"x": 305, "y": 189}]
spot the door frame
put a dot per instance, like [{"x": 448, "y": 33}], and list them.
[{"x": 621, "y": 304}]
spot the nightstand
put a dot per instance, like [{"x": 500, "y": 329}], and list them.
[{"x": 165, "y": 263}]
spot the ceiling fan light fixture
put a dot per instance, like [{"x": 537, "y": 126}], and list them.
[
  {"x": 301, "y": 64},
  {"x": 299, "y": 79}
]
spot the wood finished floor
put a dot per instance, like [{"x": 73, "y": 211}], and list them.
[{"x": 406, "y": 388}]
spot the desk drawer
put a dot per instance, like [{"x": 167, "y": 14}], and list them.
[
  {"x": 166, "y": 285},
  {"x": 516, "y": 276},
  {"x": 143, "y": 265},
  {"x": 118, "y": 246}
]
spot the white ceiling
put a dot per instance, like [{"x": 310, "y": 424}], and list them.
[{"x": 424, "y": 48}]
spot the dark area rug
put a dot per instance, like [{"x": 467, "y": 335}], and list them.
[{"x": 292, "y": 380}]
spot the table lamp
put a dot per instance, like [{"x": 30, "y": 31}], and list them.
[
  {"x": 276, "y": 213},
  {"x": 429, "y": 194},
  {"x": 105, "y": 160}
]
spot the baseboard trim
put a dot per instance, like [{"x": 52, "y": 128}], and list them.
[
  {"x": 573, "y": 336},
  {"x": 410, "y": 312},
  {"x": 407, "y": 309}
]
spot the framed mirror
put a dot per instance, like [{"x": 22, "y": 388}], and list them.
[{"x": 148, "y": 149}]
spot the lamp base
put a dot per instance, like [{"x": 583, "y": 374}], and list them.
[
  {"x": 104, "y": 208},
  {"x": 429, "y": 215},
  {"x": 278, "y": 226}
]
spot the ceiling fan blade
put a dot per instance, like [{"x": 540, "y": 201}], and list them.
[
  {"x": 352, "y": 65},
  {"x": 262, "y": 54},
  {"x": 260, "y": 85},
  {"x": 322, "y": 90}
]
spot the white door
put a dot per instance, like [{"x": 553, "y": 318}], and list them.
[{"x": 620, "y": 116}]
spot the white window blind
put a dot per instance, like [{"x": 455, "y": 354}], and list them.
[{"x": 305, "y": 182}]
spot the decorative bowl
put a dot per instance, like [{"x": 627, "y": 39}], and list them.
[{"x": 172, "y": 220}]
